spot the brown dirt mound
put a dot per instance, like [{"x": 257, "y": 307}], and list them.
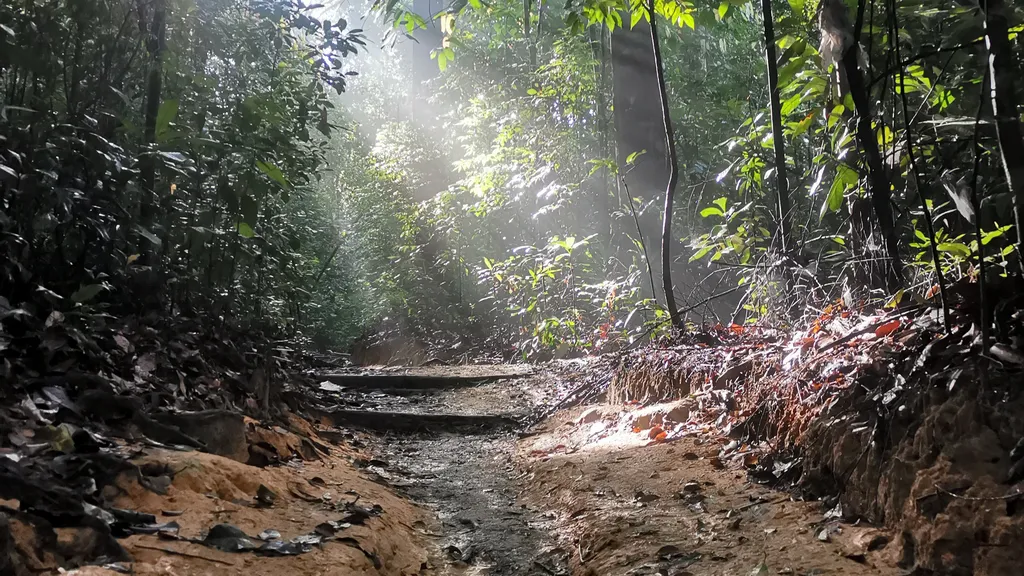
[
  {"x": 209, "y": 490},
  {"x": 883, "y": 412},
  {"x": 933, "y": 463}
]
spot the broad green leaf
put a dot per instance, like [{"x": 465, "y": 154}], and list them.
[
  {"x": 836, "y": 115},
  {"x": 701, "y": 253},
  {"x": 791, "y": 103},
  {"x": 789, "y": 70},
  {"x": 274, "y": 173},
  {"x": 723, "y": 9},
  {"x": 721, "y": 202},
  {"x": 711, "y": 211},
  {"x": 87, "y": 292},
  {"x": 957, "y": 248},
  {"x": 167, "y": 112},
  {"x": 245, "y": 230},
  {"x": 834, "y": 200},
  {"x": 147, "y": 235}
]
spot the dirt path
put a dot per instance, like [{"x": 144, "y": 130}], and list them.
[
  {"x": 468, "y": 477},
  {"x": 587, "y": 492}
]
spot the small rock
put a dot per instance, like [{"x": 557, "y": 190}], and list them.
[
  {"x": 823, "y": 535},
  {"x": 734, "y": 524},
  {"x": 691, "y": 487},
  {"x": 265, "y": 496},
  {"x": 644, "y": 497},
  {"x": 590, "y": 415}
]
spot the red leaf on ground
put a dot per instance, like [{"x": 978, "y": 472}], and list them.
[{"x": 887, "y": 328}]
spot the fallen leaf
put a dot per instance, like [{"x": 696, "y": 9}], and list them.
[
  {"x": 122, "y": 343},
  {"x": 146, "y": 363},
  {"x": 887, "y": 328}
]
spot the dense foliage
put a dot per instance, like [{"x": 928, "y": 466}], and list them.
[{"x": 188, "y": 155}]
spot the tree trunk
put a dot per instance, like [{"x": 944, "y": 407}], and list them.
[
  {"x": 639, "y": 122},
  {"x": 673, "y": 171},
  {"x": 781, "y": 182},
  {"x": 1002, "y": 68},
  {"x": 155, "y": 47},
  {"x": 878, "y": 179}
]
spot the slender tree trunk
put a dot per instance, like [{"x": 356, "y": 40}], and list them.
[
  {"x": 602, "y": 194},
  {"x": 1001, "y": 70},
  {"x": 878, "y": 179},
  {"x": 781, "y": 181},
  {"x": 155, "y": 46},
  {"x": 527, "y": 5},
  {"x": 673, "y": 171},
  {"x": 639, "y": 127}
]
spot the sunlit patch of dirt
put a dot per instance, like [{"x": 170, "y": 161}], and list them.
[
  {"x": 626, "y": 503},
  {"x": 207, "y": 490}
]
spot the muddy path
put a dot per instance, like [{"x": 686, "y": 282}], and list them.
[{"x": 464, "y": 472}]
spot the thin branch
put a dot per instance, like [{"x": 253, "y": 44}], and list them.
[
  {"x": 921, "y": 56},
  {"x": 640, "y": 236},
  {"x": 976, "y": 203},
  {"x": 673, "y": 178}
]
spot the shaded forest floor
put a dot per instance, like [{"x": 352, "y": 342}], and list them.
[{"x": 863, "y": 444}]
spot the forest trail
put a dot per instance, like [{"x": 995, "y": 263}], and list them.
[{"x": 586, "y": 491}]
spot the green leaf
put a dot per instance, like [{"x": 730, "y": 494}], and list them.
[
  {"x": 147, "y": 235},
  {"x": 688, "y": 20},
  {"x": 274, "y": 173},
  {"x": 789, "y": 70},
  {"x": 701, "y": 253},
  {"x": 954, "y": 248},
  {"x": 245, "y": 230},
  {"x": 797, "y": 6},
  {"x": 834, "y": 199},
  {"x": 723, "y": 9},
  {"x": 167, "y": 112},
  {"x": 87, "y": 292},
  {"x": 711, "y": 211},
  {"x": 791, "y": 103},
  {"x": 721, "y": 202},
  {"x": 475, "y": 4}
]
